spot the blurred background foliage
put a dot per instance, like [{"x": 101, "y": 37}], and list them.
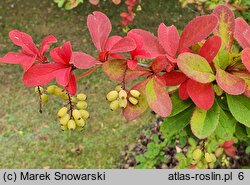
[{"x": 33, "y": 140}]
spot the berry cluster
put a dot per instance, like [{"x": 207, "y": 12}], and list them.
[
  {"x": 120, "y": 98},
  {"x": 43, "y": 97},
  {"x": 70, "y": 118},
  {"x": 201, "y": 155}
]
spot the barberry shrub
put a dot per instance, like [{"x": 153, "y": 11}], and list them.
[{"x": 196, "y": 79}]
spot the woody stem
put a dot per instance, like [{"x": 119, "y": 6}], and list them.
[
  {"x": 71, "y": 106},
  {"x": 40, "y": 99}
]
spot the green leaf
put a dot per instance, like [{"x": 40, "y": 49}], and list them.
[
  {"x": 247, "y": 150},
  {"x": 60, "y": 3},
  {"x": 172, "y": 125},
  {"x": 155, "y": 138},
  {"x": 248, "y": 132},
  {"x": 195, "y": 67},
  {"x": 240, "y": 108},
  {"x": 221, "y": 60},
  {"x": 178, "y": 105},
  {"x": 140, "y": 158},
  {"x": 203, "y": 123},
  {"x": 222, "y": 101},
  {"x": 241, "y": 133},
  {"x": 226, "y": 127}
]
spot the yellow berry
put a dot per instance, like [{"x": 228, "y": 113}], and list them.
[
  {"x": 123, "y": 94},
  {"x": 65, "y": 119},
  {"x": 114, "y": 105},
  {"x": 76, "y": 114},
  {"x": 208, "y": 158},
  {"x": 200, "y": 165},
  {"x": 138, "y": 8},
  {"x": 133, "y": 100},
  {"x": 112, "y": 95},
  {"x": 71, "y": 125},
  {"x": 197, "y": 154},
  {"x": 58, "y": 91},
  {"x": 51, "y": 89},
  {"x": 84, "y": 114},
  {"x": 81, "y": 97},
  {"x": 213, "y": 157},
  {"x": 79, "y": 128},
  {"x": 80, "y": 122},
  {"x": 64, "y": 95},
  {"x": 64, "y": 127},
  {"x": 74, "y": 99},
  {"x": 123, "y": 103},
  {"x": 44, "y": 98},
  {"x": 38, "y": 88},
  {"x": 211, "y": 165},
  {"x": 135, "y": 93},
  {"x": 118, "y": 88},
  {"x": 62, "y": 112},
  {"x": 82, "y": 105}
]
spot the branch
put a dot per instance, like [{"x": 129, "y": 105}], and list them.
[{"x": 88, "y": 72}]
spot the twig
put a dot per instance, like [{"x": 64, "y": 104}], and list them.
[
  {"x": 71, "y": 106},
  {"x": 40, "y": 99},
  {"x": 88, "y": 72}
]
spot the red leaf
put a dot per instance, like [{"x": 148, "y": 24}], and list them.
[
  {"x": 245, "y": 75},
  {"x": 226, "y": 25},
  {"x": 132, "y": 64},
  {"x": 26, "y": 61},
  {"x": 201, "y": 94},
  {"x": 94, "y": 2},
  {"x": 83, "y": 60},
  {"x": 24, "y": 40},
  {"x": 231, "y": 151},
  {"x": 227, "y": 144},
  {"x": 242, "y": 33},
  {"x": 174, "y": 78},
  {"x": 62, "y": 76},
  {"x": 231, "y": 84},
  {"x": 40, "y": 74},
  {"x": 246, "y": 58},
  {"x": 115, "y": 69},
  {"x": 62, "y": 55},
  {"x": 124, "y": 45},
  {"x": 158, "y": 97},
  {"x": 150, "y": 42},
  {"x": 182, "y": 91},
  {"x": 99, "y": 27},
  {"x": 159, "y": 64},
  {"x": 111, "y": 41},
  {"x": 132, "y": 112},
  {"x": 168, "y": 38},
  {"x": 46, "y": 43},
  {"x": 139, "y": 52},
  {"x": 197, "y": 30},
  {"x": 210, "y": 48},
  {"x": 72, "y": 86}
]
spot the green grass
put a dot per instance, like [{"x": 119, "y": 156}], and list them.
[{"x": 29, "y": 139}]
